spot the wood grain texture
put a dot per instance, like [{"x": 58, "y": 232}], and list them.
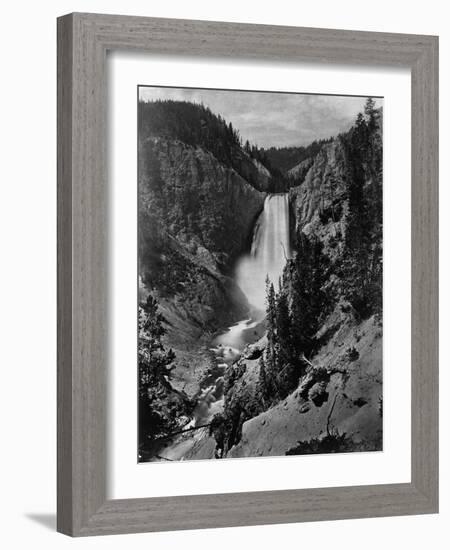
[
  {"x": 64, "y": 277},
  {"x": 83, "y": 40},
  {"x": 425, "y": 272}
]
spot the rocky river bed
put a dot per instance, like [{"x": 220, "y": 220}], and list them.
[{"x": 193, "y": 441}]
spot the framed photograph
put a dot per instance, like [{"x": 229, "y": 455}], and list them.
[{"x": 247, "y": 274}]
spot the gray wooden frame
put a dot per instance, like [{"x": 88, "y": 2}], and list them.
[{"x": 83, "y": 40}]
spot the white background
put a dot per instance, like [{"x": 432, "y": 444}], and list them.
[
  {"x": 131, "y": 480},
  {"x": 28, "y": 300}
]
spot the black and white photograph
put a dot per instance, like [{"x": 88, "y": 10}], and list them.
[
  {"x": 221, "y": 275},
  {"x": 260, "y": 274}
]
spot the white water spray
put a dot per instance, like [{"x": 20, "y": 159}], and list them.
[{"x": 269, "y": 252}]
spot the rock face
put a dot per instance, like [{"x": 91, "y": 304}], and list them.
[
  {"x": 210, "y": 207},
  {"x": 196, "y": 218},
  {"x": 320, "y": 203}
]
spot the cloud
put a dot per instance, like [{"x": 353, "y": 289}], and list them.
[{"x": 272, "y": 118}]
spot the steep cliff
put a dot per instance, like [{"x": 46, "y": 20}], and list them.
[
  {"x": 320, "y": 202},
  {"x": 196, "y": 217}
]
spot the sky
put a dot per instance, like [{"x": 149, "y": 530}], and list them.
[{"x": 269, "y": 118}]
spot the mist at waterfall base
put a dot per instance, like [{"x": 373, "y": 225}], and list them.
[{"x": 269, "y": 252}]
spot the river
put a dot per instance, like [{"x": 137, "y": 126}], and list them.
[{"x": 269, "y": 252}]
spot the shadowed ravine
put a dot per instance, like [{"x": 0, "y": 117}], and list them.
[{"x": 269, "y": 251}]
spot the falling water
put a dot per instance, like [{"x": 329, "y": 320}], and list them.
[{"x": 269, "y": 252}]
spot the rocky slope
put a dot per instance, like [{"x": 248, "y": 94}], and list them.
[
  {"x": 339, "y": 398},
  {"x": 337, "y": 404}
]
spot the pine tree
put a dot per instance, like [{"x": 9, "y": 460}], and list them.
[
  {"x": 155, "y": 360},
  {"x": 283, "y": 328},
  {"x": 271, "y": 359},
  {"x": 155, "y": 365},
  {"x": 361, "y": 267},
  {"x": 357, "y": 219},
  {"x": 263, "y": 385},
  {"x": 308, "y": 301},
  {"x": 370, "y": 112},
  {"x": 271, "y": 312}
]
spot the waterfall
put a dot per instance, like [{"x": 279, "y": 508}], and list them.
[{"x": 269, "y": 251}]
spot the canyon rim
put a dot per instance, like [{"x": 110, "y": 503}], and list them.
[{"x": 260, "y": 231}]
